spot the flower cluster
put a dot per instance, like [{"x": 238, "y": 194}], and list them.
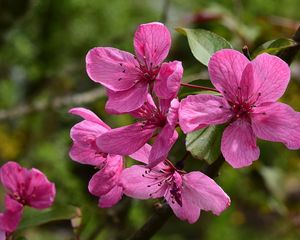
[
  {"x": 146, "y": 87},
  {"x": 23, "y": 188},
  {"x": 247, "y": 106}
]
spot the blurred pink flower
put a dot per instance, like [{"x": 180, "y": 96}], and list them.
[
  {"x": 127, "y": 77},
  {"x": 250, "y": 91},
  {"x": 128, "y": 139},
  {"x": 186, "y": 193},
  {"x": 2, "y": 235},
  {"x": 23, "y": 187}
]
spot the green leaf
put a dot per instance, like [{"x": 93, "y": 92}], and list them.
[
  {"x": 204, "y": 43},
  {"x": 205, "y": 143},
  {"x": 33, "y": 217},
  {"x": 274, "y": 46}
]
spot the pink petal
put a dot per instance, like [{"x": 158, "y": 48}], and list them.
[
  {"x": 142, "y": 155},
  {"x": 271, "y": 77},
  {"x": 88, "y": 115},
  {"x": 152, "y": 42},
  {"x": 40, "y": 191},
  {"x": 12, "y": 205},
  {"x": 11, "y": 175},
  {"x": 108, "y": 177},
  {"x": 9, "y": 220},
  {"x": 189, "y": 211},
  {"x": 125, "y": 140},
  {"x": 2, "y": 234},
  {"x": 225, "y": 70},
  {"x": 111, "y": 198},
  {"x": 205, "y": 192},
  {"x": 167, "y": 83},
  {"x": 246, "y": 90},
  {"x": 162, "y": 145},
  {"x": 86, "y": 132},
  {"x": 138, "y": 183},
  {"x": 127, "y": 101},
  {"x": 277, "y": 122},
  {"x": 148, "y": 107},
  {"x": 86, "y": 155},
  {"x": 172, "y": 115},
  {"x": 113, "y": 68},
  {"x": 238, "y": 144},
  {"x": 202, "y": 110}
]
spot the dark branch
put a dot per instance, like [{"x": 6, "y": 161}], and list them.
[{"x": 154, "y": 223}]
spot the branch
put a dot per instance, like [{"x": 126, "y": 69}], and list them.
[
  {"x": 289, "y": 54},
  {"x": 163, "y": 212},
  {"x": 76, "y": 99}
]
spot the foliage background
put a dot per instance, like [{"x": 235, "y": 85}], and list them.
[{"x": 42, "y": 57}]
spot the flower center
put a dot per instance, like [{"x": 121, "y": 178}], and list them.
[
  {"x": 241, "y": 110},
  {"x": 149, "y": 73},
  {"x": 22, "y": 196},
  {"x": 151, "y": 116},
  {"x": 164, "y": 178}
]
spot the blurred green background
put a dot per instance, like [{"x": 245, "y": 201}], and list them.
[{"x": 43, "y": 44}]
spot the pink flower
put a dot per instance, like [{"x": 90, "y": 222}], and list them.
[
  {"x": 128, "y": 139},
  {"x": 186, "y": 193},
  {"x": 23, "y": 187},
  {"x": 250, "y": 91},
  {"x": 127, "y": 77},
  {"x": 105, "y": 183}
]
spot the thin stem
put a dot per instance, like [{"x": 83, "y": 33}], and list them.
[
  {"x": 198, "y": 87},
  {"x": 164, "y": 15},
  {"x": 246, "y": 52},
  {"x": 180, "y": 164}
]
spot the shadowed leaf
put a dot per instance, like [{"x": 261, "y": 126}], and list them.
[
  {"x": 204, "y": 43},
  {"x": 205, "y": 143}
]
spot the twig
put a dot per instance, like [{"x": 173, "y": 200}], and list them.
[
  {"x": 162, "y": 213},
  {"x": 198, "y": 87},
  {"x": 289, "y": 54},
  {"x": 76, "y": 99},
  {"x": 164, "y": 15},
  {"x": 246, "y": 52}
]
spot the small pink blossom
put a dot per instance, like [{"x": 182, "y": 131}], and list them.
[
  {"x": 105, "y": 183},
  {"x": 23, "y": 188},
  {"x": 127, "y": 77},
  {"x": 186, "y": 193},
  {"x": 248, "y": 105},
  {"x": 128, "y": 139}
]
